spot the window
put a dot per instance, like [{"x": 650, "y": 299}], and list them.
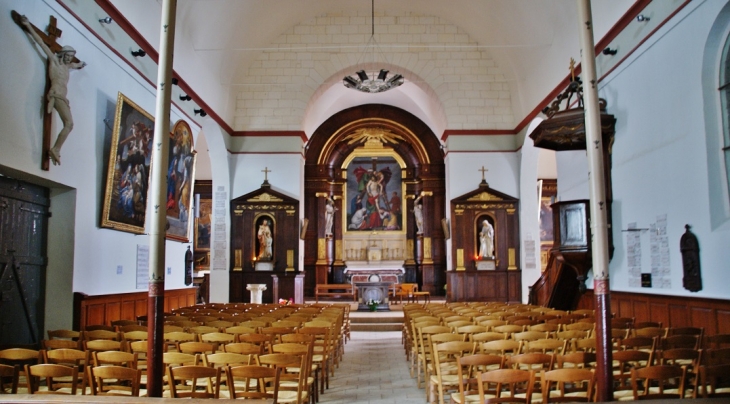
[{"x": 725, "y": 99}]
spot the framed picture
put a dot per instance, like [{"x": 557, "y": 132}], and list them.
[
  {"x": 374, "y": 194},
  {"x": 180, "y": 180},
  {"x": 203, "y": 223},
  {"x": 128, "y": 172}
]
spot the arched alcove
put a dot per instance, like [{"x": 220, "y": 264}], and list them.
[{"x": 383, "y": 130}]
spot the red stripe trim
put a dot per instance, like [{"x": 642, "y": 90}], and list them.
[
  {"x": 273, "y": 133},
  {"x": 243, "y": 152}
]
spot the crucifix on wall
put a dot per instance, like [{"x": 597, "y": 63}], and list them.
[{"x": 60, "y": 61}]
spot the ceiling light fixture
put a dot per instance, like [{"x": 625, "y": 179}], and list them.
[
  {"x": 185, "y": 97},
  {"x": 139, "y": 53},
  {"x": 105, "y": 20},
  {"x": 642, "y": 18},
  {"x": 200, "y": 112},
  {"x": 377, "y": 81}
]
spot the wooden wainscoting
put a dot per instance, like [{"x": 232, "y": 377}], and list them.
[
  {"x": 672, "y": 311},
  {"x": 103, "y": 309}
]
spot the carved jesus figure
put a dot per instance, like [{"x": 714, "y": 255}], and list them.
[{"x": 59, "y": 67}]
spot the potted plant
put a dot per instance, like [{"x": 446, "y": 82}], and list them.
[{"x": 373, "y": 305}]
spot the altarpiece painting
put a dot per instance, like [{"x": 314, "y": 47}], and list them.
[
  {"x": 374, "y": 194},
  {"x": 180, "y": 180}
]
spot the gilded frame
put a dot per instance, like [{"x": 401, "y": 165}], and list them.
[{"x": 128, "y": 169}]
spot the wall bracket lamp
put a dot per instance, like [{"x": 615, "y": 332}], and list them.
[{"x": 139, "y": 53}]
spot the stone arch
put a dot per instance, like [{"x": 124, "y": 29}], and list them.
[{"x": 327, "y": 150}]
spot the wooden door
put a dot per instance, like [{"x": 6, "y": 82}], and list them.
[{"x": 23, "y": 234}]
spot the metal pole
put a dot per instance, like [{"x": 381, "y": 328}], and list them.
[
  {"x": 597, "y": 192},
  {"x": 161, "y": 146}
]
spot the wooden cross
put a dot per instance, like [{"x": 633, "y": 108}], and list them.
[
  {"x": 483, "y": 170},
  {"x": 50, "y": 41},
  {"x": 266, "y": 172}
]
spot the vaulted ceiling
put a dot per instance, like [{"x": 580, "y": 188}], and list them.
[{"x": 277, "y": 65}]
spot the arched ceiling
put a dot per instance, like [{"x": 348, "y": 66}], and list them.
[{"x": 222, "y": 48}]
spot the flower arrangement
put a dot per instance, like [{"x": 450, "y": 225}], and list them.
[
  {"x": 286, "y": 302},
  {"x": 373, "y": 304}
]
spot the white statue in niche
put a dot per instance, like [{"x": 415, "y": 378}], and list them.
[
  {"x": 329, "y": 216},
  {"x": 486, "y": 240}
]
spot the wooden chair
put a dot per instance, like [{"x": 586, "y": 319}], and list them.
[
  {"x": 217, "y": 338},
  {"x": 102, "y": 345},
  {"x": 74, "y": 358},
  {"x": 660, "y": 374},
  {"x": 445, "y": 376},
  {"x": 102, "y": 334},
  {"x": 263, "y": 340},
  {"x": 65, "y": 334},
  {"x": 321, "y": 355},
  {"x": 50, "y": 372},
  {"x": 424, "y": 350},
  {"x": 118, "y": 324},
  {"x": 184, "y": 381},
  {"x": 49, "y": 344},
  {"x": 467, "y": 369},
  {"x": 115, "y": 358},
  {"x": 224, "y": 359},
  {"x": 282, "y": 362},
  {"x": 198, "y": 347},
  {"x": 108, "y": 381},
  {"x": 580, "y": 360},
  {"x": 501, "y": 347},
  {"x": 8, "y": 373},
  {"x": 99, "y": 327},
  {"x": 624, "y": 361},
  {"x": 546, "y": 346},
  {"x": 514, "y": 380},
  {"x": 267, "y": 386},
  {"x": 405, "y": 290},
  {"x": 714, "y": 381},
  {"x": 18, "y": 358},
  {"x": 132, "y": 327},
  {"x": 305, "y": 348},
  {"x": 717, "y": 341},
  {"x": 583, "y": 381}
]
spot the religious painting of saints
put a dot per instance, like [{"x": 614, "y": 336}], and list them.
[
  {"x": 374, "y": 194},
  {"x": 264, "y": 238},
  {"x": 203, "y": 223},
  {"x": 180, "y": 180},
  {"x": 128, "y": 172}
]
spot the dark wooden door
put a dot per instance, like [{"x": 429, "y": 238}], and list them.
[{"x": 23, "y": 234}]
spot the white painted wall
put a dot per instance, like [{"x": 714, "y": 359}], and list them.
[
  {"x": 660, "y": 152},
  {"x": 83, "y": 257}
]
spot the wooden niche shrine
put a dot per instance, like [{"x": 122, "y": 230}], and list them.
[
  {"x": 265, "y": 246},
  {"x": 485, "y": 255}
]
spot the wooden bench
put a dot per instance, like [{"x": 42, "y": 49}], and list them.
[{"x": 334, "y": 290}]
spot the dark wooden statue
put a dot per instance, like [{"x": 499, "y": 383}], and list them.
[{"x": 690, "y": 248}]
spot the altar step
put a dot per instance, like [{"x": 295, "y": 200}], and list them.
[{"x": 376, "y": 321}]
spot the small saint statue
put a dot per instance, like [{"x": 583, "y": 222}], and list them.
[
  {"x": 418, "y": 213},
  {"x": 59, "y": 67},
  {"x": 486, "y": 241},
  {"x": 329, "y": 213}
]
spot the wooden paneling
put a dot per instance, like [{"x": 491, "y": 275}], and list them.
[
  {"x": 103, "y": 309},
  {"x": 484, "y": 286},
  {"x": 673, "y": 311}
]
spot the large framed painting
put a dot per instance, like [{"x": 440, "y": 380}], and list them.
[
  {"x": 374, "y": 195},
  {"x": 128, "y": 172},
  {"x": 180, "y": 180}
]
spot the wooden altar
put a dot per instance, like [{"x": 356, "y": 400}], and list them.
[
  {"x": 265, "y": 246},
  {"x": 373, "y": 292},
  {"x": 490, "y": 278}
]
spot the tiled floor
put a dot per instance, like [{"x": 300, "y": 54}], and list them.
[{"x": 374, "y": 371}]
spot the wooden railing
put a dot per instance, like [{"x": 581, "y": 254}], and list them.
[{"x": 103, "y": 309}]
